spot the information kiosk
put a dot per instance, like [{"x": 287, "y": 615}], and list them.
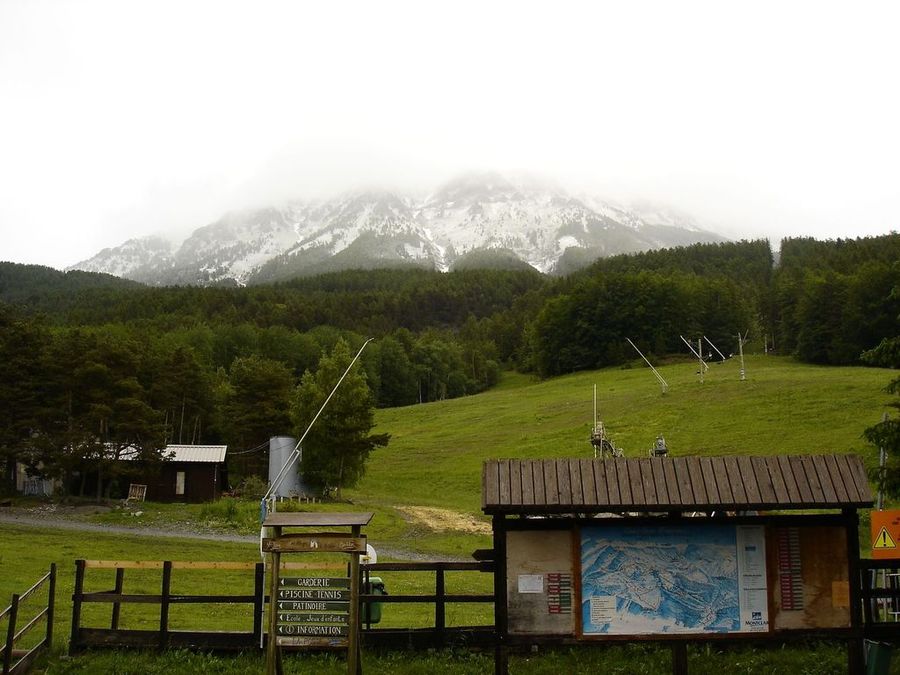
[
  {"x": 677, "y": 550},
  {"x": 307, "y": 612}
]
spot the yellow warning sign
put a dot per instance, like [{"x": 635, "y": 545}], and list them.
[
  {"x": 883, "y": 540},
  {"x": 885, "y": 534}
]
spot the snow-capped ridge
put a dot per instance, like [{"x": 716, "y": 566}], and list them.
[{"x": 519, "y": 215}]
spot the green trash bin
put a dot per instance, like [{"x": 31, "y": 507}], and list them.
[
  {"x": 878, "y": 658},
  {"x": 371, "y": 611}
]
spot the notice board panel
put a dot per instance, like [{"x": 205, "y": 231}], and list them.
[
  {"x": 540, "y": 580},
  {"x": 809, "y": 577},
  {"x": 673, "y": 578}
]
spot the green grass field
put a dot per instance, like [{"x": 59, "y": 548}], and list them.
[
  {"x": 434, "y": 460},
  {"x": 436, "y": 450}
]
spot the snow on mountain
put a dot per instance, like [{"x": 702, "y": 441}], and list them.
[
  {"x": 488, "y": 211},
  {"x": 143, "y": 259},
  {"x": 535, "y": 221},
  {"x": 234, "y": 246},
  {"x": 335, "y": 225}
]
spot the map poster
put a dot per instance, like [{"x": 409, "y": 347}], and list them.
[{"x": 677, "y": 578}]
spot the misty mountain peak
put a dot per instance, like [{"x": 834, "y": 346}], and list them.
[
  {"x": 519, "y": 217},
  {"x": 474, "y": 186}
]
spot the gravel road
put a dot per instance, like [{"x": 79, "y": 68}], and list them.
[
  {"x": 52, "y": 519},
  {"x": 20, "y": 517}
]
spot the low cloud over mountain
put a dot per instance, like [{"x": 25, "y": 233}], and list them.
[{"x": 477, "y": 219}]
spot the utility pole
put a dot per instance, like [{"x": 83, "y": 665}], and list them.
[
  {"x": 882, "y": 471},
  {"x": 690, "y": 346},
  {"x": 662, "y": 383},
  {"x": 714, "y": 347},
  {"x": 700, "y": 356}
]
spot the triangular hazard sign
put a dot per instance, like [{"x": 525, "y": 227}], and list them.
[{"x": 884, "y": 540}]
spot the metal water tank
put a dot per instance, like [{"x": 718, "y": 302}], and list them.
[{"x": 280, "y": 449}]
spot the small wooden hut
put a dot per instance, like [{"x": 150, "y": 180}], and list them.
[{"x": 189, "y": 473}]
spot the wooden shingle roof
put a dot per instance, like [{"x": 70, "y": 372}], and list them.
[{"x": 734, "y": 483}]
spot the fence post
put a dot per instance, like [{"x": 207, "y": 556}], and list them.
[
  {"x": 258, "y": 596},
  {"x": 164, "y": 605},
  {"x": 75, "y": 638},
  {"x": 366, "y": 606},
  {"x": 866, "y": 586},
  {"x": 856, "y": 659},
  {"x": 440, "y": 620},
  {"x": 501, "y": 620},
  {"x": 116, "y": 608},
  {"x": 889, "y": 605},
  {"x": 51, "y": 604},
  {"x": 10, "y": 633},
  {"x": 679, "y": 658},
  {"x": 354, "y": 663}
]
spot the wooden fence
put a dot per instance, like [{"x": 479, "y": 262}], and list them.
[
  {"x": 879, "y": 594},
  {"x": 163, "y": 637},
  {"x": 19, "y": 660},
  {"x": 440, "y": 635}
]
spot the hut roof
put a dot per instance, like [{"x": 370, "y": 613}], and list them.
[
  {"x": 733, "y": 483},
  {"x": 195, "y": 453},
  {"x": 303, "y": 519}
]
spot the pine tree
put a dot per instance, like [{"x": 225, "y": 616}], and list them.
[
  {"x": 337, "y": 448},
  {"x": 886, "y": 434},
  {"x": 23, "y": 346},
  {"x": 255, "y": 405}
]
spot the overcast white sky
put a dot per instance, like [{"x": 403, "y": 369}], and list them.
[{"x": 121, "y": 119}]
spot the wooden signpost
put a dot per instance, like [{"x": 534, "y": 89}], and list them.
[
  {"x": 312, "y": 607},
  {"x": 314, "y": 612}
]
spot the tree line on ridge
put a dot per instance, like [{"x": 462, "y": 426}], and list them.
[{"x": 92, "y": 357}]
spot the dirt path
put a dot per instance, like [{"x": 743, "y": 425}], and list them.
[
  {"x": 60, "y": 523},
  {"x": 444, "y": 519},
  {"x": 51, "y": 520}
]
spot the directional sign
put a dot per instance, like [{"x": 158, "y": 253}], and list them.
[
  {"x": 313, "y": 594},
  {"x": 313, "y": 617},
  {"x": 313, "y": 611},
  {"x": 885, "y": 534},
  {"x": 296, "y": 641},
  {"x": 322, "y": 543},
  {"x": 315, "y": 582},
  {"x": 313, "y": 606},
  {"x": 311, "y": 630}
]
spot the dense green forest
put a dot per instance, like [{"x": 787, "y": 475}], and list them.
[
  {"x": 92, "y": 358},
  {"x": 831, "y": 300}
]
